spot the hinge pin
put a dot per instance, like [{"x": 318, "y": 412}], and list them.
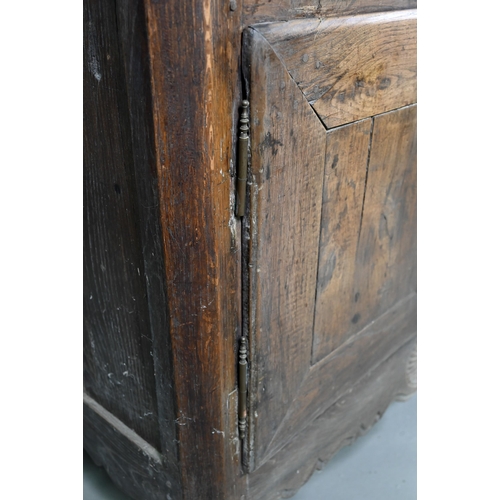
[
  {"x": 242, "y": 387},
  {"x": 241, "y": 184}
]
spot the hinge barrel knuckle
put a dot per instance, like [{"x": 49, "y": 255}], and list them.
[
  {"x": 241, "y": 183},
  {"x": 242, "y": 387}
]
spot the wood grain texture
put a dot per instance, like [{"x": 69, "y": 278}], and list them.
[
  {"x": 194, "y": 49},
  {"x": 161, "y": 115},
  {"x": 386, "y": 258},
  {"x": 131, "y": 20},
  {"x": 339, "y": 425},
  {"x": 371, "y": 295},
  {"x": 336, "y": 374},
  {"x": 288, "y": 146},
  {"x": 260, "y": 11},
  {"x": 346, "y": 164},
  {"x": 133, "y": 464},
  {"x": 350, "y": 68},
  {"x": 118, "y": 365},
  {"x": 381, "y": 265}
]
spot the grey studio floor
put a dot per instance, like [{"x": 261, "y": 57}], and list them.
[{"x": 381, "y": 465}]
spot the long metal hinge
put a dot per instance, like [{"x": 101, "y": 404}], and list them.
[
  {"x": 241, "y": 183},
  {"x": 242, "y": 402},
  {"x": 242, "y": 387}
]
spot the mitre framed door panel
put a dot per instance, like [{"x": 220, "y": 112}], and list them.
[{"x": 331, "y": 219}]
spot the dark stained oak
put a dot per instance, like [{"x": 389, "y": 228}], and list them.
[
  {"x": 175, "y": 224},
  {"x": 135, "y": 466},
  {"x": 134, "y": 53},
  {"x": 118, "y": 364},
  {"x": 350, "y": 68},
  {"x": 194, "y": 48}
]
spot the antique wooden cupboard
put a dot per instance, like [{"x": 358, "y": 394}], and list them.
[{"x": 226, "y": 356}]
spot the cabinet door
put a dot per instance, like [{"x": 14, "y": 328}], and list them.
[{"x": 332, "y": 213}]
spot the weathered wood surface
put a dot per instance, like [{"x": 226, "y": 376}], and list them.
[
  {"x": 335, "y": 375},
  {"x": 386, "y": 258},
  {"x": 194, "y": 48},
  {"x": 134, "y": 53},
  {"x": 175, "y": 130},
  {"x": 346, "y": 164},
  {"x": 339, "y": 425},
  {"x": 364, "y": 278},
  {"x": 350, "y": 68},
  {"x": 285, "y": 208},
  {"x": 135, "y": 466},
  {"x": 118, "y": 366},
  {"x": 368, "y": 227},
  {"x": 162, "y": 86},
  {"x": 260, "y": 11}
]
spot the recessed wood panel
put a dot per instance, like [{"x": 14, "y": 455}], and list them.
[
  {"x": 118, "y": 344},
  {"x": 338, "y": 372},
  {"x": 386, "y": 256},
  {"x": 350, "y": 68},
  {"x": 133, "y": 463},
  {"x": 339, "y": 425},
  {"x": 346, "y": 164},
  {"x": 368, "y": 239}
]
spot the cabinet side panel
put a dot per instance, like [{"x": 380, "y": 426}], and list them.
[
  {"x": 118, "y": 362},
  {"x": 135, "y": 56},
  {"x": 133, "y": 464}
]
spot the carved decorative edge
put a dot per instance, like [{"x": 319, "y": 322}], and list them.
[
  {"x": 322, "y": 462},
  {"x": 411, "y": 369},
  {"x": 411, "y": 376}
]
